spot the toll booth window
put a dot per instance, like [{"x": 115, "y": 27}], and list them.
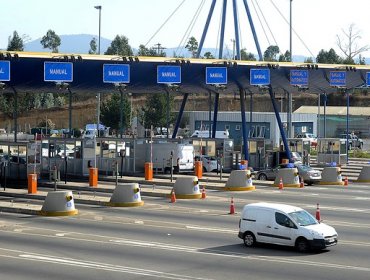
[{"x": 109, "y": 149}]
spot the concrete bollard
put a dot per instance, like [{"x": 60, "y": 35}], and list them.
[
  {"x": 240, "y": 180},
  {"x": 332, "y": 175},
  {"x": 187, "y": 187},
  {"x": 289, "y": 176},
  {"x": 59, "y": 203},
  {"x": 126, "y": 195},
  {"x": 364, "y": 176}
]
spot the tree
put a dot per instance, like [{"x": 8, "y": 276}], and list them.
[
  {"x": 244, "y": 55},
  {"x": 271, "y": 53},
  {"x": 51, "y": 41},
  {"x": 208, "y": 55},
  {"x": 15, "y": 43},
  {"x": 286, "y": 57},
  {"x": 348, "y": 45},
  {"x": 154, "y": 113},
  {"x": 192, "y": 46},
  {"x": 329, "y": 57},
  {"x": 308, "y": 60},
  {"x": 110, "y": 111},
  {"x": 120, "y": 46},
  {"x": 144, "y": 51},
  {"x": 93, "y": 46}
]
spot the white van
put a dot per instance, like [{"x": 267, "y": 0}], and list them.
[
  {"x": 284, "y": 225},
  {"x": 205, "y": 134}
]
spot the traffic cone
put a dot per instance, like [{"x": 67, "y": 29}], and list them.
[
  {"x": 346, "y": 181},
  {"x": 232, "y": 206},
  {"x": 301, "y": 184},
  {"x": 203, "y": 193},
  {"x": 173, "y": 196},
  {"x": 318, "y": 217},
  {"x": 281, "y": 185}
]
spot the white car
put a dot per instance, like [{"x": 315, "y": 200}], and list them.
[
  {"x": 209, "y": 163},
  {"x": 309, "y": 136},
  {"x": 284, "y": 225}
]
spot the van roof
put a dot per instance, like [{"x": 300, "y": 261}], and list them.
[{"x": 281, "y": 207}]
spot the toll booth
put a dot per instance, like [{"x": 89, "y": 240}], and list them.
[
  {"x": 13, "y": 161},
  {"x": 220, "y": 148},
  {"x": 331, "y": 150},
  {"x": 257, "y": 149},
  {"x": 300, "y": 146},
  {"x": 257, "y": 152}
]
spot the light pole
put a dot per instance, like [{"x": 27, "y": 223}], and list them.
[{"x": 99, "y": 8}]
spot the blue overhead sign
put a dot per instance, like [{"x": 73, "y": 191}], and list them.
[
  {"x": 58, "y": 71},
  {"x": 368, "y": 79},
  {"x": 299, "y": 77},
  {"x": 168, "y": 74},
  {"x": 338, "y": 78},
  {"x": 216, "y": 75},
  {"x": 259, "y": 77},
  {"x": 5, "y": 71},
  {"x": 116, "y": 73}
]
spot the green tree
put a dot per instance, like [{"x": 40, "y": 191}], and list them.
[
  {"x": 308, "y": 60},
  {"x": 192, "y": 46},
  {"x": 93, "y": 46},
  {"x": 286, "y": 57},
  {"x": 271, "y": 53},
  {"x": 154, "y": 113},
  {"x": 51, "y": 41},
  {"x": 328, "y": 57},
  {"x": 208, "y": 55},
  {"x": 120, "y": 46},
  {"x": 144, "y": 51},
  {"x": 248, "y": 56},
  {"x": 15, "y": 43},
  {"x": 110, "y": 112}
]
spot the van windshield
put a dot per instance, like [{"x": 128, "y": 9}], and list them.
[{"x": 303, "y": 218}]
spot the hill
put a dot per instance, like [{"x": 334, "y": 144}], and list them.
[{"x": 79, "y": 43}]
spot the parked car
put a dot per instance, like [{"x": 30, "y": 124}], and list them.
[
  {"x": 309, "y": 136},
  {"x": 209, "y": 163},
  {"x": 284, "y": 225},
  {"x": 310, "y": 176},
  {"x": 353, "y": 141}
]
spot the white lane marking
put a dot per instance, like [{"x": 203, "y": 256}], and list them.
[
  {"x": 107, "y": 267},
  {"x": 223, "y": 230},
  {"x": 221, "y": 253}
]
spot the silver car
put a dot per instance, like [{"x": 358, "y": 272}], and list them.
[{"x": 310, "y": 176}]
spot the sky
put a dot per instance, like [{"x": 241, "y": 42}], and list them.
[{"x": 317, "y": 22}]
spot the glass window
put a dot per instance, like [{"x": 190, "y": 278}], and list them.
[
  {"x": 283, "y": 220},
  {"x": 303, "y": 218}
]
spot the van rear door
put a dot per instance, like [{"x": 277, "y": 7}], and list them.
[{"x": 263, "y": 225}]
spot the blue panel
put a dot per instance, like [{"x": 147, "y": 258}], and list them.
[
  {"x": 368, "y": 79},
  {"x": 168, "y": 74},
  {"x": 4, "y": 70},
  {"x": 116, "y": 73},
  {"x": 338, "y": 78},
  {"x": 260, "y": 77},
  {"x": 216, "y": 75},
  {"x": 299, "y": 77},
  {"x": 58, "y": 71}
]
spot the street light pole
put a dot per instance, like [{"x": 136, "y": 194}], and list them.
[{"x": 99, "y": 8}]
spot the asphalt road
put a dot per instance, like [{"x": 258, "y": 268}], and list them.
[{"x": 190, "y": 239}]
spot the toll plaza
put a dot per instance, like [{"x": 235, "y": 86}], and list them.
[
  {"x": 41, "y": 72},
  {"x": 330, "y": 150}
]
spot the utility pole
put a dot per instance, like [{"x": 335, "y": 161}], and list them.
[{"x": 159, "y": 48}]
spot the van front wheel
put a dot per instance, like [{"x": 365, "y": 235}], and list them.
[
  {"x": 302, "y": 245},
  {"x": 249, "y": 239}
]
